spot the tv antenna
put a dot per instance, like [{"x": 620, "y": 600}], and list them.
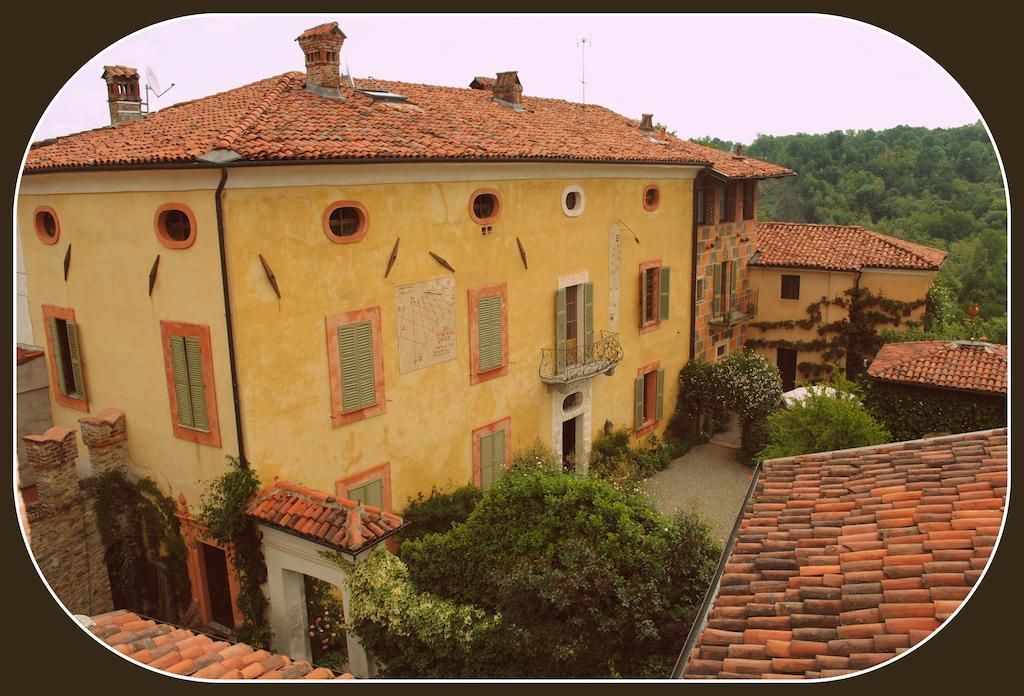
[
  {"x": 583, "y": 42},
  {"x": 153, "y": 85},
  {"x": 348, "y": 74}
]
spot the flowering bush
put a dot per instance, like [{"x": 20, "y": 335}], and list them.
[{"x": 326, "y": 625}]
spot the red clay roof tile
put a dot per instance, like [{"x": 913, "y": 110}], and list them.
[
  {"x": 838, "y": 248},
  {"x": 965, "y": 365},
  {"x": 887, "y": 592},
  {"x": 278, "y": 119}
]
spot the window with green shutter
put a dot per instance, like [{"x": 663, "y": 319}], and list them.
[
  {"x": 490, "y": 333},
  {"x": 492, "y": 458},
  {"x": 355, "y": 347},
  {"x": 189, "y": 382},
  {"x": 369, "y": 493},
  {"x": 67, "y": 357},
  {"x": 648, "y": 399}
]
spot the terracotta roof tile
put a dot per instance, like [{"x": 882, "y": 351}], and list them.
[
  {"x": 180, "y": 651},
  {"x": 967, "y": 365},
  {"x": 326, "y": 519},
  {"x": 25, "y": 355},
  {"x": 119, "y": 71},
  {"x": 838, "y": 248},
  {"x": 278, "y": 119},
  {"x": 854, "y": 595}
]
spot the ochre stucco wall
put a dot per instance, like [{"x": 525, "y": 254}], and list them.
[
  {"x": 113, "y": 248},
  {"x": 426, "y": 432}
]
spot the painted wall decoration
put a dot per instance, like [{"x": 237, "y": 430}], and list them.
[
  {"x": 426, "y": 323},
  {"x": 614, "y": 268}
]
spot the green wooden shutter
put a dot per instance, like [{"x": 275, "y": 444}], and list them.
[
  {"x": 490, "y": 333},
  {"x": 371, "y": 493},
  {"x": 355, "y": 345},
  {"x": 643, "y": 297},
  {"x": 638, "y": 404},
  {"x": 716, "y": 291},
  {"x": 661, "y": 395},
  {"x": 182, "y": 395},
  {"x": 663, "y": 285},
  {"x": 196, "y": 383},
  {"x": 588, "y": 321},
  {"x": 733, "y": 294},
  {"x": 58, "y": 355},
  {"x": 560, "y": 330},
  {"x": 492, "y": 458},
  {"x": 76, "y": 358}
]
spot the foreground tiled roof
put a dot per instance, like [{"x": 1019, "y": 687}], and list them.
[
  {"x": 278, "y": 119},
  {"x": 838, "y": 248},
  {"x": 845, "y": 559},
  {"x": 340, "y": 523},
  {"x": 180, "y": 651},
  {"x": 968, "y": 365}
]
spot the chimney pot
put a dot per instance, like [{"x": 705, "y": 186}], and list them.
[
  {"x": 739, "y": 150},
  {"x": 321, "y": 48},
  {"x": 507, "y": 88},
  {"x": 647, "y": 123},
  {"x": 123, "y": 97}
]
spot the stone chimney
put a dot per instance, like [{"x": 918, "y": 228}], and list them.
[
  {"x": 53, "y": 456},
  {"x": 123, "y": 95},
  {"x": 321, "y": 46},
  {"x": 739, "y": 151},
  {"x": 508, "y": 89},
  {"x": 647, "y": 123},
  {"x": 106, "y": 437}
]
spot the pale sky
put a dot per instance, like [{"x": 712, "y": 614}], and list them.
[{"x": 730, "y": 76}]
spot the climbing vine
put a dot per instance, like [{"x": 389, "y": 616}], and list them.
[
  {"x": 223, "y": 515},
  {"x": 855, "y": 337},
  {"x": 142, "y": 540}
]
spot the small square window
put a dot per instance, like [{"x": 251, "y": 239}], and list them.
[{"x": 791, "y": 287}]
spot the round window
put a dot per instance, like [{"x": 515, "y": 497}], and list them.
[
  {"x": 573, "y": 201},
  {"x": 47, "y": 227},
  {"x": 175, "y": 226},
  {"x": 484, "y": 206},
  {"x": 652, "y": 196},
  {"x": 345, "y": 222},
  {"x": 572, "y": 401}
]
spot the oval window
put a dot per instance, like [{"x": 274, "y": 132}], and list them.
[
  {"x": 484, "y": 206},
  {"x": 652, "y": 196},
  {"x": 572, "y": 401},
  {"x": 345, "y": 222},
  {"x": 572, "y": 201},
  {"x": 47, "y": 226},
  {"x": 175, "y": 226}
]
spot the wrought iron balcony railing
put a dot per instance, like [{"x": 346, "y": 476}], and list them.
[
  {"x": 736, "y": 309},
  {"x": 562, "y": 366}
]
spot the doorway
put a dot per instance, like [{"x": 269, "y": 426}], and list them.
[
  {"x": 785, "y": 360},
  {"x": 569, "y": 444},
  {"x": 215, "y": 565}
]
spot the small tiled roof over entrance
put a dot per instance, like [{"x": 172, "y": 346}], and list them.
[
  {"x": 342, "y": 524},
  {"x": 838, "y": 248},
  {"x": 966, "y": 365},
  {"x": 180, "y": 651},
  {"x": 845, "y": 559}
]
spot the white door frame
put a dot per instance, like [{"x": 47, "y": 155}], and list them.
[{"x": 583, "y": 423}]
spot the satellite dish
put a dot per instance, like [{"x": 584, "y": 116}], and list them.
[{"x": 151, "y": 79}]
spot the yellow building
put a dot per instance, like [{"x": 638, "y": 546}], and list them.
[
  {"x": 799, "y": 269},
  {"x": 365, "y": 289}
]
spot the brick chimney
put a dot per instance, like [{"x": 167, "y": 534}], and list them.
[
  {"x": 321, "y": 46},
  {"x": 106, "y": 437},
  {"x": 53, "y": 456},
  {"x": 647, "y": 123},
  {"x": 123, "y": 96},
  {"x": 508, "y": 89},
  {"x": 739, "y": 151}
]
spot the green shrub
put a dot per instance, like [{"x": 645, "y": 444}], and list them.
[
  {"x": 821, "y": 423},
  {"x": 754, "y": 437},
  {"x": 599, "y": 583},
  {"x": 536, "y": 455},
  {"x": 613, "y": 459},
  {"x": 440, "y": 511}
]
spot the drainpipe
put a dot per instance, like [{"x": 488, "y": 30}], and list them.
[
  {"x": 219, "y": 205},
  {"x": 693, "y": 271}
]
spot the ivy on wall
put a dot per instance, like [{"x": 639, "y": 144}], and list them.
[
  {"x": 143, "y": 542},
  {"x": 855, "y": 337}
]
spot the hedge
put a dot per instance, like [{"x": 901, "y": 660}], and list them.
[{"x": 911, "y": 412}]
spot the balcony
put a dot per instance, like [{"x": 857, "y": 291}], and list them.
[
  {"x": 565, "y": 366},
  {"x": 736, "y": 310}
]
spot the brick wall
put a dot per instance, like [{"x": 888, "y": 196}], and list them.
[{"x": 62, "y": 530}]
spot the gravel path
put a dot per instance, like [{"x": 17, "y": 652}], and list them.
[{"x": 707, "y": 479}]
